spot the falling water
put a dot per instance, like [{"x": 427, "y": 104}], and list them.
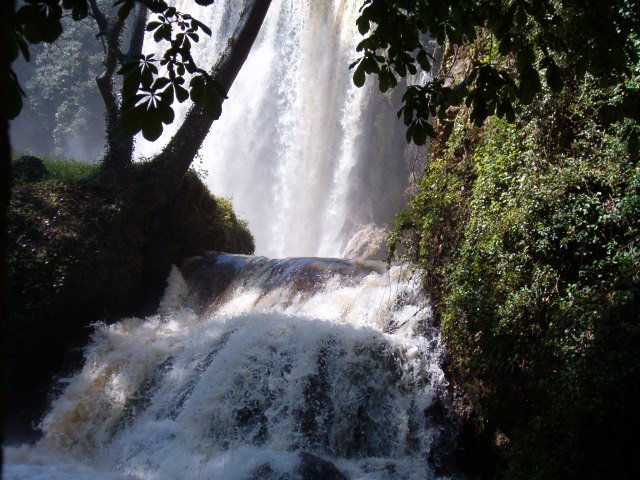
[
  {"x": 316, "y": 165},
  {"x": 256, "y": 369},
  {"x": 259, "y": 369}
]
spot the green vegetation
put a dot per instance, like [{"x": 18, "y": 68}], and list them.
[
  {"x": 529, "y": 235},
  {"x": 70, "y": 170},
  {"x": 547, "y": 42}
]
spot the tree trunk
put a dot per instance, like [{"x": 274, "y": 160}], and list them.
[
  {"x": 170, "y": 166},
  {"x": 119, "y": 145}
]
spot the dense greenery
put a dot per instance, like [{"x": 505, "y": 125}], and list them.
[
  {"x": 551, "y": 39},
  {"x": 529, "y": 234}
]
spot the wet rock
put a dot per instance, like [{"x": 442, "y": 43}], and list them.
[
  {"x": 368, "y": 243},
  {"x": 265, "y": 472},
  {"x": 312, "y": 467}
]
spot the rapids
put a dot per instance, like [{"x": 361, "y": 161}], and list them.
[{"x": 256, "y": 369}]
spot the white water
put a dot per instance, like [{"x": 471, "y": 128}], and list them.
[
  {"x": 321, "y": 356},
  {"x": 308, "y": 159},
  {"x": 254, "y": 368}
]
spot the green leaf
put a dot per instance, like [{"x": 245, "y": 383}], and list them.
[
  {"x": 554, "y": 77},
  {"x": 529, "y": 85},
  {"x": 359, "y": 76}
]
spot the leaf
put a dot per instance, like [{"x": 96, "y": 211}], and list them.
[
  {"x": 197, "y": 88},
  {"x": 383, "y": 81},
  {"x": 202, "y": 26},
  {"x": 13, "y": 96},
  {"x": 423, "y": 60},
  {"x": 152, "y": 128},
  {"x": 419, "y": 134},
  {"x": 554, "y": 77},
  {"x": 529, "y": 85},
  {"x": 633, "y": 144},
  {"x": 79, "y": 8},
  {"x": 363, "y": 24},
  {"x": 156, "y": 6},
  {"x": 132, "y": 119},
  {"x": 359, "y": 76},
  {"x": 152, "y": 26},
  {"x": 181, "y": 93}
]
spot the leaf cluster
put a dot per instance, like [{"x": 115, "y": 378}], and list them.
[
  {"x": 151, "y": 85},
  {"x": 536, "y": 37}
]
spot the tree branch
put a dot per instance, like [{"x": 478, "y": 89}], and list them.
[
  {"x": 99, "y": 17},
  {"x": 137, "y": 35},
  {"x": 119, "y": 145},
  {"x": 174, "y": 160}
]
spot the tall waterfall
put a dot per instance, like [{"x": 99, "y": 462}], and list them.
[
  {"x": 316, "y": 165},
  {"x": 259, "y": 369}
]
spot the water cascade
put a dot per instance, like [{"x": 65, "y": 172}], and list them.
[
  {"x": 316, "y": 165},
  {"x": 259, "y": 369},
  {"x": 256, "y": 369}
]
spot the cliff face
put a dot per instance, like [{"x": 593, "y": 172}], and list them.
[
  {"x": 528, "y": 235},
  {"x": 78, "y": 254}
]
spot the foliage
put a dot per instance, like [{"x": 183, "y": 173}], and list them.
[
  {"x": 78, "y": 254},
  {"x": 62, "y": 113},
  {"x": 539, "y": 38},
  {"x": 540, "y": 283},
  {"x": 148, "y": 94},
  {"x": 70, "y": 170}
]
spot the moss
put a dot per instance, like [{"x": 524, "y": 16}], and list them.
[{"x": 529, "y": 236}]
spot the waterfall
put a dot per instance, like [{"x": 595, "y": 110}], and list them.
[
  {"x": 256, "y": 369},
  {"x": 316, "y": 165},
  {"x": 261, "y": 369}
]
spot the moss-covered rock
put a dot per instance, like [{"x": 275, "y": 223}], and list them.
[{"x": 80, "y": 253}]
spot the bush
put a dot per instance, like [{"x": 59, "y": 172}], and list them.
[{"x": 539, "y": 285}]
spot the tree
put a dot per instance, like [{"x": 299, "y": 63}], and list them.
[
  {"x": 150, "y": 85},
  {"x": 554, "y": 39},
  {"x": 6, "y": 15},
  {"x": 141, "y": 202}
]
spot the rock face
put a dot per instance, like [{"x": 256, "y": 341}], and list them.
[
  {"x": 77, "y": 254},
  {"x": 310, "y": 467},
  {"x": 368, "y": 243}
]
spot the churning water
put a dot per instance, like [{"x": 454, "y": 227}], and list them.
[{"x": 255, "y": 369}]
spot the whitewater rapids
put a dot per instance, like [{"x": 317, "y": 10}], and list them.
[{"x": 254, "y": 369}]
